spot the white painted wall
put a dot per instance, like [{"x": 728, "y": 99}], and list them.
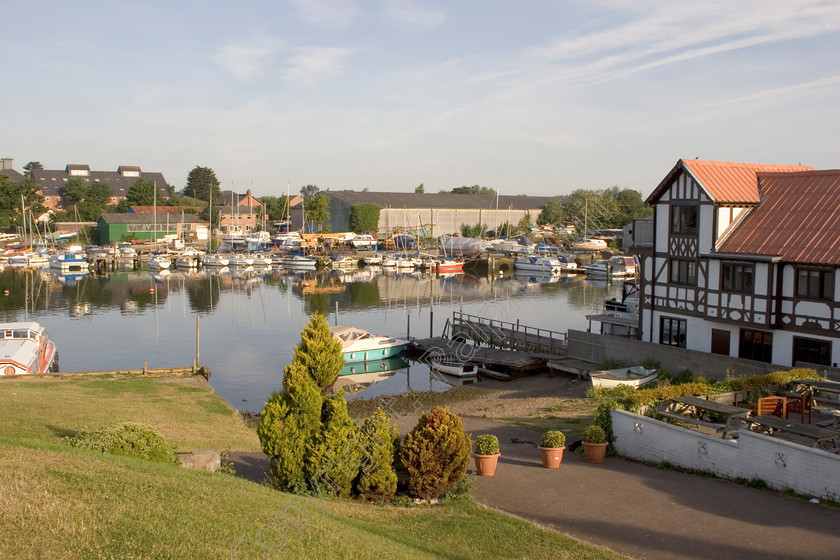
[{"x": 782, "y": 465}]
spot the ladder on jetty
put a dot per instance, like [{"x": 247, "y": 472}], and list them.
[{"x": 505, "y": 334}]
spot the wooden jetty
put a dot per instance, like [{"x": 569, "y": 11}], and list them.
[
  {"x": 493, "y": 362},
  {"x": 505, "y": 334}
]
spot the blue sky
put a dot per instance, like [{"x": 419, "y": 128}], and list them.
[{"x": 531, "y": 96}]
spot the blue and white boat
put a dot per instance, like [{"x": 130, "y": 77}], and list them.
[
  {"x": 68, "y": 261},
  {"x": 359, "y": 345}
]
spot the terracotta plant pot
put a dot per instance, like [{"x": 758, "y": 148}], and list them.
[
  {"x": 551, "y": 456},
  {"x": 595, "y": 452},
  {"x": 485, "y": 465}
]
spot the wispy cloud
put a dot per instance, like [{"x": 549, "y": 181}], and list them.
[
  {"x": 248, "y": 58},
  {"x": 308, "y": 65},
  {"x": 329, "y": 13},
  {"x": 411, "y": 12}
]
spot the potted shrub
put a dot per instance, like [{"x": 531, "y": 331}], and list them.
[
  {"x": 595, "y": 444},
  {"x": 552, "y": 445},
  {"x": 486, "y": 454}
]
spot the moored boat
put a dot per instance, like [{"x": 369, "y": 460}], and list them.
[
  {"x": 25, "y": 349},
  {"x": 214, "y": 260},
  {"x": 618, "y": 266},
  {"x": 635, "y": 376},
  {"x": 548, "y": 265},
  {"x": 68, "y": 261},
  {"x": 337, "y": 261},
  {"x": 358, "y": 345},
  {"x": 453, "y": 366},
  {"x": 159, "y": 262}
]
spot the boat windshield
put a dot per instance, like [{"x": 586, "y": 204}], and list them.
[{"x": 18, "y": 334}]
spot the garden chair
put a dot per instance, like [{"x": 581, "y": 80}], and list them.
[
  {"x": 801, "y": 405},
  {"x": 774, "y": 406}
]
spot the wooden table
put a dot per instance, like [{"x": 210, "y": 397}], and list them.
[
  {"x": 820, "y": 437},
  {"x": 696, "y": 410}
]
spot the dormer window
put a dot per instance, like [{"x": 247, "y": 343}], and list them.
[{"x": 128, "y": 171}]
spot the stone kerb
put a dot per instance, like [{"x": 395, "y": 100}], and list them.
[
  {"x": 209, "y": 460},
  {"x": 782, "y": 465}
]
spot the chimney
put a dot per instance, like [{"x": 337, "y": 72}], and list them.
[{"x": 6, "y": 163}]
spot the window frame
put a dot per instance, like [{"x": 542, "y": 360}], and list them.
[
  {"x": 674, "y": 338},
  {"x": 757, "y": 350},
  {"x": 734, "y": 285},
  {"x": 682, "y": 271},
  {"x": 684, "y": 219},
  {"x": 822, "y": 347},
  {"x": 824, "y": 284}
]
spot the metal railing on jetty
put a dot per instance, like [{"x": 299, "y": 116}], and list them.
[{"x": 505, "y": 334}]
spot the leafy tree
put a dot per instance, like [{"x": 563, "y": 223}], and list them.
[
  {"x": 631, "y": 205},
  {"x": 75, "y": 190},
  {"x": 553, "y": 213},
  {"x": 474, "y": 189},
  {"x": 309, "y": 191},
  {"x": 420, "y": 189},
  {"x": 318, "y": 210},
  {"x": 275, "y": 207},
  {"x": 318, "y": 352},
  {"x": 364, "y": 217},
  {"x": 201, "y": 181},
  {"x": 141, "y": 193},
  {"x": 477, "y": 230},
  {"x": 525, "y": 223},
  {"x": 10, "y": 200},
  {"x": 31, "y": 166}
]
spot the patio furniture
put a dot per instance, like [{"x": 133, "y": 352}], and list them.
[
  {"x": 723, "y": 418},
  {"x": 800, "y": 404},
  {"x": 774, "y": 406},
  {"x": 819, "y": 437}
]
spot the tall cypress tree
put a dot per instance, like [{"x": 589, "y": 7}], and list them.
[{"x": 318, "y": 352}]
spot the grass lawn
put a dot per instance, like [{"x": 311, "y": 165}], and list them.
[
  {"x": 186, "y": 411},
  {"x": 64, "y": 503}
]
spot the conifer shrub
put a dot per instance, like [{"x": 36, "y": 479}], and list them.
[
  {"x": 289, "y": 422},
  {"x": 436, "y": 454},
  {"x": 377, "y": 478},
  {"x": 318, "y": 352},
  {"x": 333, "y": 462},
  {"x": 131, "y": 439}
]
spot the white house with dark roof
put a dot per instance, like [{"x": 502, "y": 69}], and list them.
[{"x": 745, "y": 262}]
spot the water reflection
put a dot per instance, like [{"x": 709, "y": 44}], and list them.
[{"x": 251, "y": 318}]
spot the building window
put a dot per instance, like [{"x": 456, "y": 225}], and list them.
[
  {"x": 672, "y": 331},
  {"x": 737, "y": 277},
  {"x": 684, "y": 219},
  {"x": 812, "y": 351},
  {"x": 814, "y": 283},
  {"x": 683, "y": 272},
  {"x": 756, "y": 345}
]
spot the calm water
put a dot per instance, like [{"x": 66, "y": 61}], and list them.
[{"x": 251, "y": 321}]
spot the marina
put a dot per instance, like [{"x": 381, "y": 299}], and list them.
[{"x": 251, "y": 319}]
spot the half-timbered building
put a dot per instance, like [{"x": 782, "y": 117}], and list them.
[{"x": 745, "y": 262}]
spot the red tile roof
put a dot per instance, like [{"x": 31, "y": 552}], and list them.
[
  {"x": 728, "y": 182},
  {"x": 798, "y": 219}
]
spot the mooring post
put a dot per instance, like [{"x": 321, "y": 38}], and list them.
[
  {"x": 431, "y": 321},
  {"x": 336, "y": 314},
  {"x": 197, "y": 340}
]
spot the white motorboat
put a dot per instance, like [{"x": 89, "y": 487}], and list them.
[
  {"x": 546, "y": 265},
  {"x": 359, "y": 345},
  {"x": 343, "y": 262},
  {"x": 189, "y": 258},
  {"x": 373, "y": 260},
  {"x": 635, "y": 376},
  {"x": 298, "y": 261},
  {"x": 160, "y": 262},
  {"x": 618, "y": 266},
  {"x": 590, "y": 245},
  {"x": 25, "y": 349},
  {"x": 214, "y": 260},
  {"x": 68, "y": 261},
  {"x": 240, "y": 260},
  {"x": 453, "y": 366},
  {"x": 364, "y": 241}
]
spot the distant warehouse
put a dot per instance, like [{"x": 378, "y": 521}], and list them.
[{"x": 437, "y": 214}]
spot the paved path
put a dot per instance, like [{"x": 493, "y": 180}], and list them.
[{"x": 639, "y": 510}]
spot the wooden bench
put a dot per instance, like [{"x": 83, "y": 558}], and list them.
[
  {"x": 691, "y": 409},
  {"x": 820, "y": 437}
]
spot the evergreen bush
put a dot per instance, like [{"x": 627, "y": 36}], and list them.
[
  {"x": 335, "y": 457},
  {"x": 594, "y": 434},
  {"x": 289, "y": 422},
  {"x": 486, "y": 444},
  {"x": 131, "y": 439},
  {"x": 318, "y": 352},
  {"x": 377, "y": 479},
  {"x": 553, "y": 439},
  {"x": 436, "y": 454}
]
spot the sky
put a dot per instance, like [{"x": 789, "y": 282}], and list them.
[{"x": 537, "y": 97}]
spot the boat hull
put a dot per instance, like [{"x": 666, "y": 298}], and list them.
[
  {"x": 373, "y": 354},
  {"x": 635, "y": 376}
]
